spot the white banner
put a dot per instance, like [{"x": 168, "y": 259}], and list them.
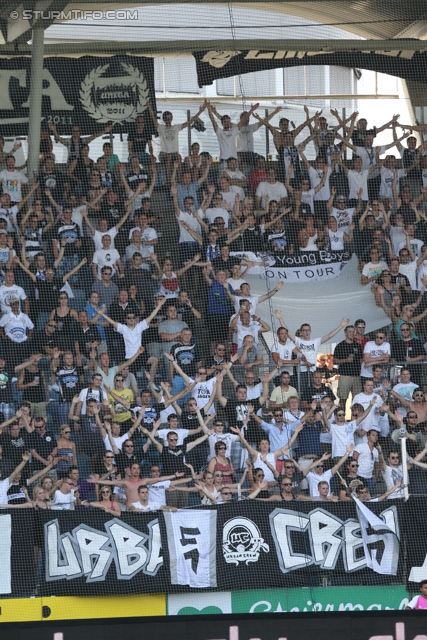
[
  {"x": 381, "y": 549},
  {"x": 305, "y": 267},
  {"x": 192, "y": 547}
]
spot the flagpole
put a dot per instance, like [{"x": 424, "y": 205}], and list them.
[{"x": 404, "y": 468}]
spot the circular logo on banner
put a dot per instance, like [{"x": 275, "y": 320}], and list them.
[
  {"x": 114, "y": 99},
  {"x": 242, "y": 542}
]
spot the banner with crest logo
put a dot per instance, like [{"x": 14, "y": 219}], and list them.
[{"x": 89, "y": 91}]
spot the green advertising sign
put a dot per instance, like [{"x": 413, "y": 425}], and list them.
[{"x": 290, "y": 600}]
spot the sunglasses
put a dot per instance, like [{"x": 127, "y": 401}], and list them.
[
  {"x": 128, "y": 445},
  {"x": 287, "y": 484},
  {"x": 119, "y": 379},
  {"x": 173, "y": 439}
]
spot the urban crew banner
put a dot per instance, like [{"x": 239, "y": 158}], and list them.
[
  {"x": 228, "y": 547},
  {"x": 89, "y": 91}
]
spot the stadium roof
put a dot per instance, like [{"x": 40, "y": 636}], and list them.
[{"x": 369, "y": 19}]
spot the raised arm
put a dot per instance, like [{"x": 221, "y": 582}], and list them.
[
  {"x": 342, "y": 460},
  {"x": 344, "y": 322}
]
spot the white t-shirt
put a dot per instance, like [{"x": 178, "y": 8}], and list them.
[
  {"x": 227, "y": 141},
  {"x": 307, "y": 198},
  {"x": 181, "y": 433},
  {"x": 202, "y": 393},
  {"x": 387, "y": 177},
  {"x": 275, "y": 191},
  {"x": 371, "y": 270},
  {"x": 358, "y": 180},
  {"x": 214, "y": 212},
  {"x": 397, "y": 236},
  {"x": 366, "y": 460},
  {"x": 369, "y": 158},
  {"x": 344, "y": 218},
  {"x": 15, "y": 326},
  {"x": 237, "y": 175},
  {"x": 259, "y": 464},
  {"x": 313, "y": 480},
  {"x": 11, "y": 182},
  {"x": 336, "y": 238},
  {"x": 251, "y": 330},
  {"x": 105, "y": 258},
  {"x": 6, "y": 293},
  {"x": 392, "y": 475},
  {"x": 415, "y": 246},
  {"x": 405, "y": 391},
  {"x": 4, "y": 487},
  {"x": 97, "y": 237},
  {"x": 192, "y": 222},
  {"x": 310, "y": 349},
  {"x": 371, "y": 420},
  {"x": 245, "y": 138},
  {"x": 409, "y": 270},
  {"x": 149, "y": 234},
  {"x": 118, "y": 441},
  {"x": 169, "y": 138},
  {"x": 151, "y": 506},
  {"x": 284, "y": 352},
  {"x": 62, "y": 501},
  {"x": 132, "y": 337},
  {"x": 342, "y": 437},
  {"x": 157, "y": 492},
  {"x": 375, "y": 351},
  {"x": 253, "y": 303},
  {"x": 226, "y": 438},
  {"x": 316, "y": 176}
]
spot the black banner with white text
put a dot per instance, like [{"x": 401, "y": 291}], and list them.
[
  {"x": 89, "y": 91},
  {"x": 224, "y": 547}
]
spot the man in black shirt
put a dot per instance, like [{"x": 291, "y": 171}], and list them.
[
  {"x": 86, "y": 337},
  {"x": 348, "y": 355},
  {"x": 42, "y": 443},
  {"x": 236, "y": 410},
  {"x": 173, "y": 455},
  {"x": 54, "y": 181},
  {"x": 47, "y": 341},
  {"x": 411, "y": 351},
  {"x": 316, "y": 391},
  {"x": 225, "y": 262}
]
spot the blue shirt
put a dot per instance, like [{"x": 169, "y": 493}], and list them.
[
  {"x": 278, "y": 438},
  {"x": 218, "y": 301},
  {"x": 191, "y": 191},
  {"x": 309, "y": 439}
]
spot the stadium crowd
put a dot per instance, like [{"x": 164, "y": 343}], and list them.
[{"x": 130, "y": 363}]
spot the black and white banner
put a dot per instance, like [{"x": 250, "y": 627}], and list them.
[
  {"x": 221, "y": 548},
  {"x": 306, "y": 266},
  {"x": 89, "y": 91},
  {"x": 213, "y": 64}
]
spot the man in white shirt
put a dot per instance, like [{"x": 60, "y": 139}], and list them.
[
  {"x": 308, "y": 346},
  {"x": 273, "y": 188},
  {"x": 376, "y": 351},
  {"x": 132, "y": 332},
  {"x": 12, "y": 180},
  {"x": 6, "y": 482},
  {"x": 169, "y": 136},
  {"x": 103, "y": 229},
  {"x": 367, "y": 455},
  {"x": 227, "y": 136},
  {"x": 106, "y": 257},
  {"x": 235, "y": 176},
  {"x": 372, "y": 420},
  {"x": 283, "y": 351},
  {"x": 11, "y": 290},
  {"x": 64, "y": 499}
]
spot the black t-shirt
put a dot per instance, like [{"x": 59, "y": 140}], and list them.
[
  {"x": 219, "y": 263},
  {"x": 69, "y": 381},
  {"x": 173, "y": 460},
  {"x": 134, "y": 179},
  {"x": 236, "y": 411},
  {"x": 139, "y": 140},
  {"x": 118, "y": 313},
  {"x": 69, "y": 231},
  {"x": 113, "y": 214},
  {"x": 345, "y": 349},
  {"x": 312, "y": 393},
  {"x": 358, "y": 137},
  {"x": 123, "y": 461},
  {"x": 43, "y": 445},
  {"x": 252, "y": 239},
  {"x": 48, "y": 293},
  {"x": 85, "y": 337},
  {"x": 53, "y": 181},
  {"x": 186, "y": 356},
  {"x": 42, "y": 340},
  {"x": 13, "y": 448}
]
